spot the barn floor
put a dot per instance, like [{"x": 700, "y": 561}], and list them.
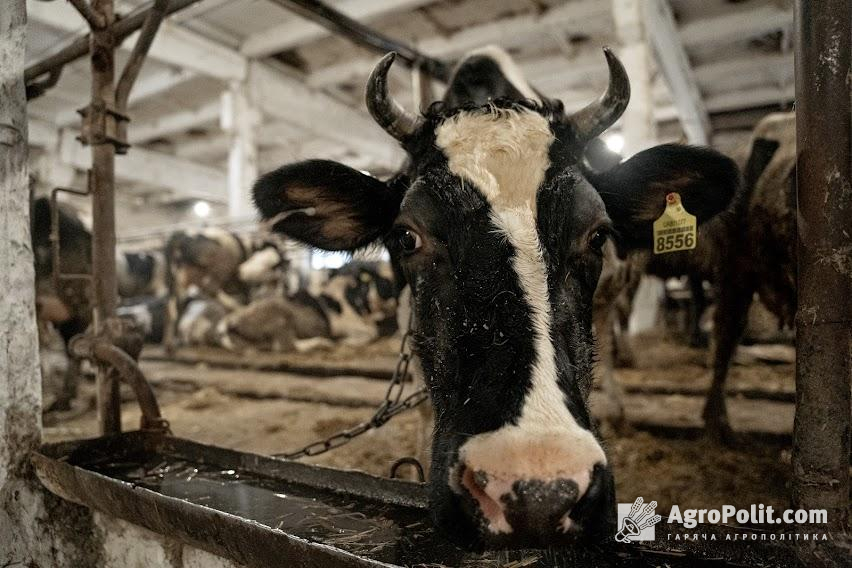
[{"x": 267, "y": 412}]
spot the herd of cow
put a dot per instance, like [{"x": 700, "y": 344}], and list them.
[
  {"x": 514, "y": 243},
  {"x": 211, "y": 287}
]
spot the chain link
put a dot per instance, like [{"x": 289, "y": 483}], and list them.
[{"x": 392, "y": 405}]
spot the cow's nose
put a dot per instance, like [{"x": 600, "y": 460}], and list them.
[{"x": 539, "y": 495}]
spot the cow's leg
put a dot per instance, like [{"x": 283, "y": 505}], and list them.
[
  {"x": 230, "y": 302},
  {"x": 612, "y": 397},
  {"x": 624, "y": 356},
  {"x": 734, "y": 299},
  {"x": 170, "y": 324},
  {"x": 71, "y": 378},
  {"x": 696, "y": 309},
  {"x": 68, "y": 392},
  {"x": 313, "y": 343}
]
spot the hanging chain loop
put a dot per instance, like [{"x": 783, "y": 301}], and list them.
[{"x": 392, "y": 405}]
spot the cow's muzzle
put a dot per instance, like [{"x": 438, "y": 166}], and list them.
[{"x": 534, "y": 491}]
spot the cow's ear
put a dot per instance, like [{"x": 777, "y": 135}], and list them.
[
  {"x": 635, "y": 191},
  {"x": 326, "y": 204}
]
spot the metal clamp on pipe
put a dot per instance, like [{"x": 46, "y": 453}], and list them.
[
  {"x": 118, "y": 348},
  {"x": 104, "y": 124}
]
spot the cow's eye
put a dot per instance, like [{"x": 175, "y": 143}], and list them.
[
  {"x": 408, "y": 240},
  {"x": 598, "y": 240}
]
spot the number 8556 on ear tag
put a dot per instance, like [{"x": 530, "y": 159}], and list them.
[{"x": 675, "y": 229}]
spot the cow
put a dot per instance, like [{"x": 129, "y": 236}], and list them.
[
  {"x": 68, "y": 306},
  {"x": 754, "y": 252},
  {"x": 356, "y": 305},
  {"x": 748, "y": 249},
  {"x": 148, "y": 313},
  {"x": 141, "y": 274},
  {"x": 220, "y": 264},
  {"x": 198, "y": 320},
  {"x": 66, "y": 303},
  {"x": 498, "y": 228}
]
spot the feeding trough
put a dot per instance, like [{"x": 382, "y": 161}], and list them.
[{"x": 262, "y": 512}]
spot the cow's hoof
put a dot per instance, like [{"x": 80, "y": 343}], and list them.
[
  {"x": 720, "y": 433},
  {"x": 699, "y": 340},
  {"x": 615, "y": 424},
  {"x": 625, "y": 360},
  {"x": 59, "y": 405}
]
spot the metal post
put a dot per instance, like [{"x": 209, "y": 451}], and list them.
[
  {"x": 332, "y": 19},
  {"x": 821, "y": 434},
  {"x": 102, "y": 185},
  {"x": 79, "y": 46}
]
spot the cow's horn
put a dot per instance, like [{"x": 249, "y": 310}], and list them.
[
  {"x": 390, "y": 115},
  {"x": 592, "y": 120}
]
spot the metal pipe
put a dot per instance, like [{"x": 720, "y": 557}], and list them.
[
  {"x": 94, "y": 19},
  {"x": 338, "y": 22},
  {"x": 80, "y": 46},
  {"x": 140, "y": 51},
  {"x": 129, "y": 372},
  {"x": 103, "y": 204},
  {"x": 38, "y": 88},
  {"x": 821, "y": 432}
]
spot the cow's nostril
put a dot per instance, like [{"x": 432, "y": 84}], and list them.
[
  {"x": 476, "y": 483},
  {"x": 595, "y": 509}
]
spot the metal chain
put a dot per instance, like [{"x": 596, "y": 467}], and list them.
[{"x": 392, "y": 405}]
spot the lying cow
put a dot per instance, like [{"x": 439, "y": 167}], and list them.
[
  {"x": 148, "y": 314},
  {"x": 499, "y": 230},
  {"x": 141, "y": 274},
  {"x": 355, "y": 306},
  {"x": 220, "y": 264}
]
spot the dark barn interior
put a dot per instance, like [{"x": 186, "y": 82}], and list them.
[{"x": 557, "y": 283}]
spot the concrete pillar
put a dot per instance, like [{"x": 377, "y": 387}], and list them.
[
  {"x": 421, "y": 89},
  {"x": 20, "y": 382},
  {"x": 27, "y": 537},
  {"x": 240, "y": 119},
  {"x": 638, "y": 126}
]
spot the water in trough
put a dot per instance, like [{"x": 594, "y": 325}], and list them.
[{"x": 370, "y": 529}]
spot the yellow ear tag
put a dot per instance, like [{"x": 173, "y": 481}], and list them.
[{"x": 675, "y": 229}]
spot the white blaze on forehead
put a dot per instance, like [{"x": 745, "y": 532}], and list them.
[
  {"x": 505, "y": 154},
  {"x": 509, "y": 69}
]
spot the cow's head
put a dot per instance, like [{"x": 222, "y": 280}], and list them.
[{"x": 498, "y": 229}]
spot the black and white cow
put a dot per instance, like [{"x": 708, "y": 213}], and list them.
[
  {"x": 219, "y": 265},
  {"x": 498, "y": 228},
  {"x": 141, "y": 274},
  {"x": 148, "y": 314},
  {"x": 356, "y": 305}
]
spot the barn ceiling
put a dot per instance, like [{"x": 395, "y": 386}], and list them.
[{"x": 308, "y": 84}]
